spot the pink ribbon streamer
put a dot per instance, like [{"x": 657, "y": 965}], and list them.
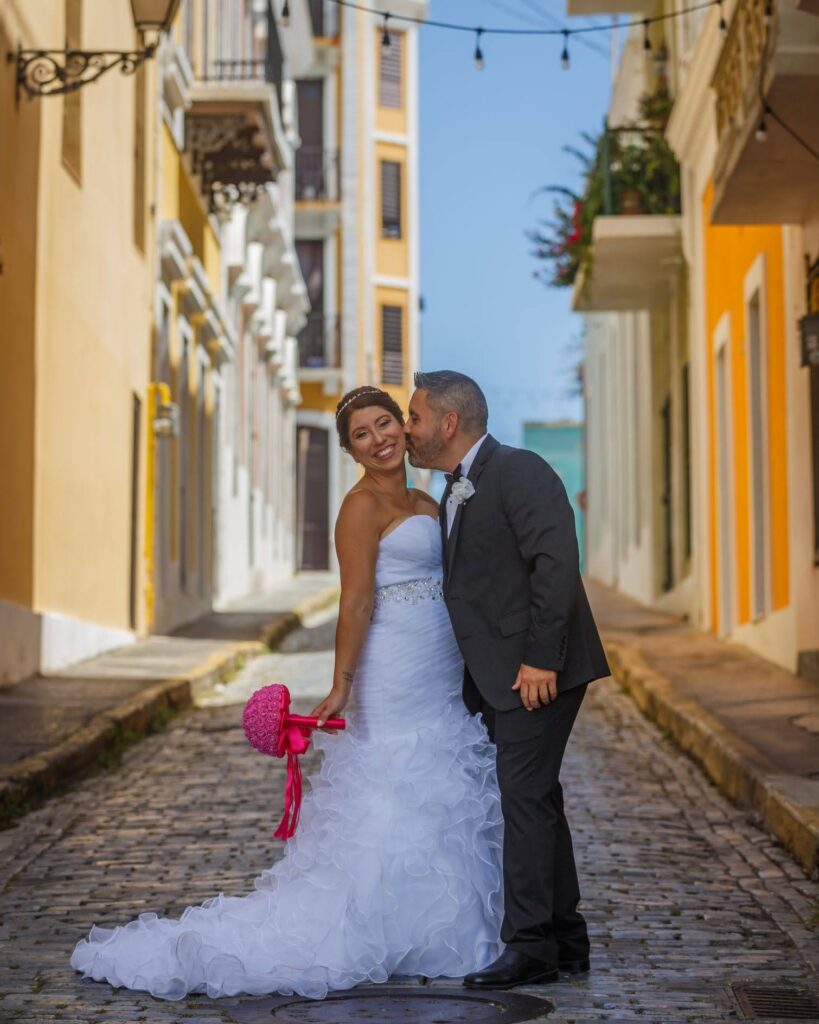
[{"x": 294, "y": 740}]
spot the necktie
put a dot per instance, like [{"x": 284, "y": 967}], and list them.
[
  {"x": 454, "y": 476},
  {"x": 450, "y": 480}
]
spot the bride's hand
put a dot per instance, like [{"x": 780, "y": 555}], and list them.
[{"x": 332, "y": 705}]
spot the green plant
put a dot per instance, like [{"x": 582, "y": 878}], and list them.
[
  {"x": 630, "y": 169},
  {"x": 564, "y": 241}
]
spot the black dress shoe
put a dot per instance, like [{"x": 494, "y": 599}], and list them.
[
  {"x": 574, "y": 966},
  {"x": 510, "y": 970}
]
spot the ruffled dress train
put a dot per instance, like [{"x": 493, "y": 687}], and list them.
[{"x": 396, "y": 865}]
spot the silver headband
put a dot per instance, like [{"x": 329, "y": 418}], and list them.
[{"x": 361, "y": 394}]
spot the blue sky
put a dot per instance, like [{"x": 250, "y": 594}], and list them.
[{"x": 488, "y": 140}]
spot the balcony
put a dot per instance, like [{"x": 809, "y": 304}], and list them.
[
  {"x": 773, "y": 180},
  {"x": 318, "y": 209},
  {"x": 234, "y": 127},
  {"x": 320, "y": 344},
  {"x": 620, "y": 245},
  {"x": 634, "y": 259},
  {"x": 317, "y": 177}
]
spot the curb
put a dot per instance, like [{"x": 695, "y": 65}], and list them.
[
  {"x": 739, "y": 771},
  {"x": 39, "y": 776},
  {"x": 274, "y": 632},
  {"x": 33, "y": 779}
]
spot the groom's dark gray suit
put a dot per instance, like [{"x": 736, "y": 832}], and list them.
[{"x": 514, "y": 594}]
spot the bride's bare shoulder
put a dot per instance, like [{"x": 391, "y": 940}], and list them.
[
  {"x": 424, "y": 503},
  {"x": 360, "y": 510}
]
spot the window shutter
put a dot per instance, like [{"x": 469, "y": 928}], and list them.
[
  {"x": 392, "y": 60},
  {"x": 390, "y": 199},
  {"x": 392, "y": 345}
]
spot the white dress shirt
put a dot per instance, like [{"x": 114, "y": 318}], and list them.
[{"x": 466, "y": 465}]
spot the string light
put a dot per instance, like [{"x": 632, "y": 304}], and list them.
[
  {"x": 565, "y": 33},
  {"x": 761, "y": 133},
  {"x": 723, "y": 24},
  {"x": 565, "y": 63},
  {"x": 285, "y": 15},
  {"x": 692, "y": 8},
  {"x": 478, "y": 52}
]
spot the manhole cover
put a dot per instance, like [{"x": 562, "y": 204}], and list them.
[
  {"x": 775, "y": 1002},
  {"x": 384, "y": 1005}
]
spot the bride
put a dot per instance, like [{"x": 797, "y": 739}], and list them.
[{"x": 396, "y": 866}]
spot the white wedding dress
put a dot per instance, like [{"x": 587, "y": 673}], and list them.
[{"x": 396, "y": 865}]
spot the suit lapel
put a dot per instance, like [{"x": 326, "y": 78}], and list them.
[
  {"x": 481, "y": 458},
  {"x": 444, "y": 539}
]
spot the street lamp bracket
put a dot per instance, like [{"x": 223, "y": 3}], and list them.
[{"x": 45, "y": 72}]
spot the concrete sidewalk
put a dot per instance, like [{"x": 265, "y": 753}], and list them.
[
  {"x": 54, "y": 727},
  {"x": 754, "y": 727}
]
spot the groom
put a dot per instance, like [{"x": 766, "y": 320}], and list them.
[{"x": 519, "y": 611}]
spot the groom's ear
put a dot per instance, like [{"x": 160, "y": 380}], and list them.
[{"x": 449, "y": 425}]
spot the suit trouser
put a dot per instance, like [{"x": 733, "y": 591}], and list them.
[{"x": 541, "y": 891}]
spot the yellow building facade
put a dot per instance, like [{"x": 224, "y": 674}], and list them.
[
  {"x": 151, "y": 299},
  {"x": 357, "y": 236},
  {"x": 77, "y": 241},
  {"x": 752, "y": 253},
  {"x": 702, "y": 335}
]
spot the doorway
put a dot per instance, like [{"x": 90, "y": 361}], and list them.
[
  {"x": 313, "y": 497},
  {"x": 724, "y": 538}
]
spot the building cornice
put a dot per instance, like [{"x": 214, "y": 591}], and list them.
[{"x": 692, "y": 118}]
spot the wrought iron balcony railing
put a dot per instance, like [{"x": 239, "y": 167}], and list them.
[
  {"x": 636, "y": 172},
  {"x": 736, "y": 80},
  {"x": 317, "y": 173},
  {"x": 319, "y": 342},
  {"x": 245, "y": 68}
]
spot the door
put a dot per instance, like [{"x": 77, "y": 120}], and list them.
[
  {"x": 313, "y": 338},
  {"x": 310, "y": 183},
  {"x": 136, "y": 442},
  {"x": 724, "y": 492},
  {"x": 313, "y": 497},
  {"x": 665, "y": 498}
]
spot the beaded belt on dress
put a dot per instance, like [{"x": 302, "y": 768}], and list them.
[{"x": 413, "y": 591}]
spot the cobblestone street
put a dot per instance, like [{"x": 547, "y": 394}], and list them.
[{"x": 684, "y": 895}]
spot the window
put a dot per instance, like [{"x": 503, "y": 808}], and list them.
[
  {"x": 686, "y": 460},
  {"x": 317, "y": 17},
  {"x": 758, "y": 423},
  {"x": 392, "y": 345},
  {"x": 725, "y": 539},
  {"x": 390, "y": 199},
  {"x": 188, "y": 29},
  {"x": 389, "y": 79},
  {"x": 72, "y": 101}
]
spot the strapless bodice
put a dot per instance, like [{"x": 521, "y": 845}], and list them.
[{"x": 410, "y": 551}]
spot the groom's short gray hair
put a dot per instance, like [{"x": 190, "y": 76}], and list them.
[{"x": 450, "y": 391}]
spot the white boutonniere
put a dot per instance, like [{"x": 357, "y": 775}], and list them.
[{"x": 462, "y": 490}]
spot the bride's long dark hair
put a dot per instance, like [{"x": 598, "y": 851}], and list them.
[{"x": 361, "y": 398}]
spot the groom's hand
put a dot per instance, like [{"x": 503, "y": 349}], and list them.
[{"x": 538, "y": 686}]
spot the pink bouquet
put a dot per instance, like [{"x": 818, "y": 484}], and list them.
[{"x": 273, "y": 730}]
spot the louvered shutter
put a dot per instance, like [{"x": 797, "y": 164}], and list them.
[
  {"x": 390, "y": 199},
  {"x": 389, "y": 82},
  {"x": 392, "y": 345}
]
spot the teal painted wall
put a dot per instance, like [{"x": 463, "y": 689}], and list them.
[{"x": 561, "y": 445}]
